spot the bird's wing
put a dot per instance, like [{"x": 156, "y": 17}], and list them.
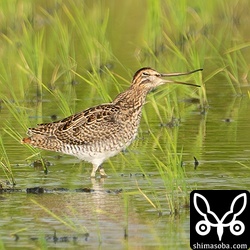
[
  {"x": 95, "y": 115},
  {"x": 96, "y": 123}
]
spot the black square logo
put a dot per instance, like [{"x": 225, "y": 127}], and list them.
[{"x": 220, "y": 219}]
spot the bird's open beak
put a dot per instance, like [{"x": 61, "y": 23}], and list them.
[{"x": 180, "y": 74}]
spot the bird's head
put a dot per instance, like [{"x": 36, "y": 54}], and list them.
[{"x": 149, "y": 78}]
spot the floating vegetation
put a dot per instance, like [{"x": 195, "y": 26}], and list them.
[{"x": 55, "y": 238}]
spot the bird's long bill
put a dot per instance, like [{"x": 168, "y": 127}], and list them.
[{"x": 181, "y": 74}]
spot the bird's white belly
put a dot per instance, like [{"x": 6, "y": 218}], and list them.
[
  {"x": 96, "y": 158},
  {"x": 98, "y": 153},
  {"x": 93, "y": 157}
]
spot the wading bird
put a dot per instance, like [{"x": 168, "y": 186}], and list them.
[{"x": 100, "y": 132}]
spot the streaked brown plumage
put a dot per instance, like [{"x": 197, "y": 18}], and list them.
[{"x": 101, "y": 132}]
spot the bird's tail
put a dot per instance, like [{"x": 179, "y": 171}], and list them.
[
  {"x": 26, "y": 140},
  {"x": 43, "y": 141}
]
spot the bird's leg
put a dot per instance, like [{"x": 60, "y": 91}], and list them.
[
  {"x": 95, "y": 167},
  {"x": 102, "y": 172}
]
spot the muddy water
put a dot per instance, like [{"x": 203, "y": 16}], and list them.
[{"x": 112, "y": 212}]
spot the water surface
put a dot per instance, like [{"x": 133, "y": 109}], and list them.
[{"x": 131, "y": 208}]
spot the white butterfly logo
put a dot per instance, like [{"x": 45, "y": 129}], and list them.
[{"x": 203, "y": 227}]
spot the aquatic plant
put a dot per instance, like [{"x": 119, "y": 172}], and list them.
[
  {"x": 59, "y": 57},
  {"x": 5, "y": 165}
]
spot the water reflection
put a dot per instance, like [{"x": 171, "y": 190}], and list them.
[{"x": 108, "y": 216}]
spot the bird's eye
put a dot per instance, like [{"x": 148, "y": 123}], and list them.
[{"x": 145, "y": 73}]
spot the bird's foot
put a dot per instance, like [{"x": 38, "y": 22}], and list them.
[{"x": 102, "y": 172}]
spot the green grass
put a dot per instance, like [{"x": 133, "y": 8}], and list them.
[
  {"x": 2, "y": 244},
  {"x": 54, "y": 48},
  {"x": 171, "y": 171},
  {"x": 5, "y": 164},
  {"x": 59, "y": 57}
]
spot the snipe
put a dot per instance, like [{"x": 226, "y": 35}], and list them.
[{"x": 100, "y": 132}]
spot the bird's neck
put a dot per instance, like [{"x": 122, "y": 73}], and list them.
[{"x": 132, "y": 98}]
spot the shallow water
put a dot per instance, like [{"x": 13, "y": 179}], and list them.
[
  {"x": 114, "y": 208},
  {"x": 75, "y": 211}
]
